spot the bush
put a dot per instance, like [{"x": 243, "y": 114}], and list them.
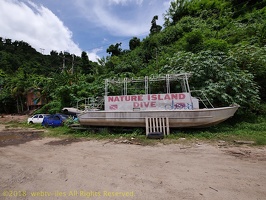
[
  {"x": 51, "y": 108},
  {"x": 194, "y": 41},
  {"x": 216, "y": 45},
  {"x": 219, "y": 77}
]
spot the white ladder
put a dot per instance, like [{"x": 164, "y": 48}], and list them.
[{"x": 157, "y": 124}]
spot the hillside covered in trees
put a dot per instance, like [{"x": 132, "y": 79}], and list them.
[{"x": 222, "y": 42}]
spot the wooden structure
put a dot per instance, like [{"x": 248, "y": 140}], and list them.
[{"x": 34, "y": 99}]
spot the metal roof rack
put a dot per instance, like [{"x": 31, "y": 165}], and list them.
[{"x": 182, "y": 78}]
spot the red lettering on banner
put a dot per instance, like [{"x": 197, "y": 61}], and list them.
[
  {"x": 110, "y": 99},
  {"x": 153, "y": 104},
  {"x": 127, "y": 98},
  {"x": 150, "y": 97},
  {"x": 122, "y": 98},
  {"x": 153, "y": 97},
  {"x": 167, "y": 97},
  {"x": 144, "y": 104},
  {"x": 159, "y": 97},
  {"x": 182, "y": 96},
  {"x": 174, "y": 96}
]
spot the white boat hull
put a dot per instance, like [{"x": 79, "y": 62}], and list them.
[{"x": 177, "y": 118}]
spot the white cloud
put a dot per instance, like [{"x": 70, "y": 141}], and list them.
[
  {"x": 139, "y": 2},
  {"x": 93, "y": 54},
  {"x": 126, "y": 18},
  {"x": 36, "y": 25},
  {"x": 94, "y": 22}
]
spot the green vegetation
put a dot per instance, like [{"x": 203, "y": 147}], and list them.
[
  {"x": 251, "y": 131},
  {"x": 222, "y": 42},
  {"x": 247, "y": 131}
]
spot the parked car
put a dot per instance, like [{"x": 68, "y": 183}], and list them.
[
  {"x": 37, "y": 119},
  {"x": 54, "y": 120}
]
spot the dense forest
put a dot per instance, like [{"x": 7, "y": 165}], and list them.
[{"x": 222, "y": 42}]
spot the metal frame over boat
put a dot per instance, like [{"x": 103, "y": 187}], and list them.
[{"x": 175, "y": 110}]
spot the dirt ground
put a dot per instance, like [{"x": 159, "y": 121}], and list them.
[
  {"x": 33, "y": 167},
  {"x": 13, "y": 118}
]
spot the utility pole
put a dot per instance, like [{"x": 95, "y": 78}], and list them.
[
  {"x": 42, "y": 50},
  {"x": 72, "y": 68},
  {"x": 63, "y": 63},
  {"x": 157, "y": 60}
]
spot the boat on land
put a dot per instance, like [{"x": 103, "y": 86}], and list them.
[{"x": 177, "y": 110}]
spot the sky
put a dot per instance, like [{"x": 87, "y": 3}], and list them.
[{"x": 78, "y": 25}]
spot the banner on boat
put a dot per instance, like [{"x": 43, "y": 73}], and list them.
[{"x": 171, "y": 101}]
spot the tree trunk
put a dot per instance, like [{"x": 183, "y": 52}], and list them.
[{"x": 17, "y": 106}]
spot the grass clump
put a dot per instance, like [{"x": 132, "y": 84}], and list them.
[
  {"x": 250, "y": 131},
  {"x": 254, "y": 130}
]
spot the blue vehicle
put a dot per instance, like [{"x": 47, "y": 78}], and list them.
[{"x": 54, "y": 120}]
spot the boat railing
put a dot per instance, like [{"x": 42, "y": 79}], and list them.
[
  {"x": 90, "y": 103},
  {"x": 201, "y": 96},
  {"x": 94, "y": 104}
]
